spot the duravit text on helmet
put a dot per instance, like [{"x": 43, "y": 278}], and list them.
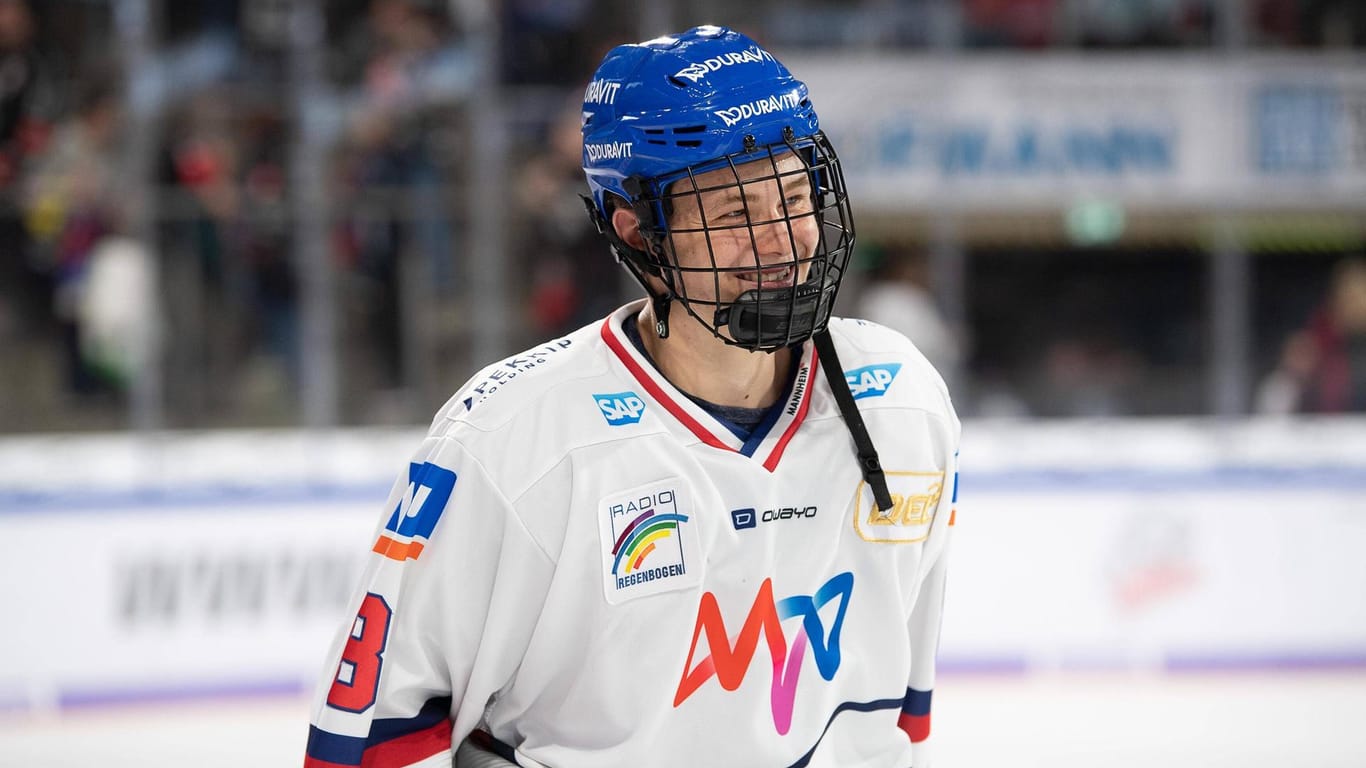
[
  {"x": 615, "y": 150},
  {"x": 733, "y": 115},
  {"x": 601, "y": 92},
  {"x": 699, "y": 69}
]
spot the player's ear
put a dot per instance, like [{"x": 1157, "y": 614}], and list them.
[{"x": 627, "y": 227}]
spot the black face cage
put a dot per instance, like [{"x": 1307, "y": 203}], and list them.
[{"x": 813, "y": 201}]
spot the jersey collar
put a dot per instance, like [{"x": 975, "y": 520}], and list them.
[{"x": 770, "y": 437}]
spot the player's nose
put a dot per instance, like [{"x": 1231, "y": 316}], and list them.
[{"x": 774, "y": 237}]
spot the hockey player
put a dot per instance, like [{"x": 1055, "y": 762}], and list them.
[{"x": 706, "y": 531}]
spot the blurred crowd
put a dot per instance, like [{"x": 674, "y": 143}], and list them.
[{"x": 90, "y": 291}]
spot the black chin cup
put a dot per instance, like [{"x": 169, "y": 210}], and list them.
[{"x": 770, "y": 319}]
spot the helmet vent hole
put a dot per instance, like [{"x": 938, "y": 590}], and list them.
[
  {"x": 657, "y": 141},
  {"x": 689, "y": 143},
  {"x": 691, "y": 129}
]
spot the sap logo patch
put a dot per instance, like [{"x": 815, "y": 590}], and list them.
[
  {"x": 649, "y": 542},
  {"x": 915, "y": 501},
  {"x": 415, "y": 517},
  {"x": 871, "y": 380},
  {"x": 620, "y": 408},
  {"x": 743, "y": 518}
]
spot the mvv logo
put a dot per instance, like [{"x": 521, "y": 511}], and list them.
[{"x": 730, "y": 663}]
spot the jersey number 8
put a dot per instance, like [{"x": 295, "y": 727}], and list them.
[{"x": 357, "y": 680}]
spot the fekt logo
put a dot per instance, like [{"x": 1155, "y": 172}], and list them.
[
  {"x": 620, "y": 407},
  {"x": 871, "y": 380}
]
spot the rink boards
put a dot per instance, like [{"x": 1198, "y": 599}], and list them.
[{"x": 213, "y": 564}]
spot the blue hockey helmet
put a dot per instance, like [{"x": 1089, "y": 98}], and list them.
[{"x": 678, "y": 106}]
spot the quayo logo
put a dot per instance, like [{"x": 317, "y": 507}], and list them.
[
  {"x": 415, "y": 516},
  {"x": 620, "y": 407},
  {"x": 730, "y": 663},
  {"x": 749, "y": 517},
  {"x": 743, "y": 518},
  {"x": 871, "y": 380}
]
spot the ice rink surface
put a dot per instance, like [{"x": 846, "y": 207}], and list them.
[{"x": 1305, "y": 719}]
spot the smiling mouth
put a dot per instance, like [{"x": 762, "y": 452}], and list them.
[{"x": 773, "y": 277}]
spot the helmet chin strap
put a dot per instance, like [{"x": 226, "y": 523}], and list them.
[
  {"x": 660, "y": 303},
  {"x": 639, "y": 265},
  {"x": 868, "y": 462}
]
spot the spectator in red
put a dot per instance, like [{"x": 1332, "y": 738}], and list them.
[{"x": 1323, "y": 366}]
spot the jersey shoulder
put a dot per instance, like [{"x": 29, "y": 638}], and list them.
[
  {"x": 522, "y": 415},
  {"x": 876, "y": 357},
  {"x": 501, "y": 390}
]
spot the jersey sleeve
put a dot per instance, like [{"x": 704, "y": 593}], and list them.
[
  {"x": 438, "y": 623},
  {"x": 924, "y": 623}
]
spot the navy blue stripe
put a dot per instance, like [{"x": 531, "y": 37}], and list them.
[
  {"x": 917, "y": 703},
  {"x": 776, "y": 410},
  {"x": 433, "y": 712},
  {"x": 334, "y": 748},
  {"x": 486, "y": 741},
  {"x": 762, "y": 429},
  {"x": 349, "y": 750},
  {"x": 854, "y": 706}
]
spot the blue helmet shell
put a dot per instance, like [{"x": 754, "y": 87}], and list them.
[{"x": 656, "y": 108}]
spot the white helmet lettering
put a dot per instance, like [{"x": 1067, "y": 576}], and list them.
[
  {"x": 733, "y": 115},
  {"x": 601, "y": 92},
  {"x": 616, "y": 150},
  {"x": 698, "y": 70}
]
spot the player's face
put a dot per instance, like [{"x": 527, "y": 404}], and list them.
[{"x": 762, "y": 231}]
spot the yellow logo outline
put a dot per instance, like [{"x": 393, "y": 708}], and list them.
[{"x": 915, "y": 511}]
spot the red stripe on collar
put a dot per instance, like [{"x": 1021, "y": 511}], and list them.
[
  {"x": 771, "y": 463},
  {"x": 647, "y": 380},
  {"x": 654, "y": 389}
]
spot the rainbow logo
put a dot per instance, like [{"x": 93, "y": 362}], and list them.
[{"x": 641, "y": 537}]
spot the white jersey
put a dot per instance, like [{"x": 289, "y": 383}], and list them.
[{"x": 587, "y": 565}]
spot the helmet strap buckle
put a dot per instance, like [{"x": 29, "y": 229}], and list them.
[{"x": 661, "y": 303}]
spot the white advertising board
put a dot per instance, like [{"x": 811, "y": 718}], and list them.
[
  {"x": 160, "y": 599},
  {"x": 1028, "y": 132},
  {"x": 221, "y": 563}
]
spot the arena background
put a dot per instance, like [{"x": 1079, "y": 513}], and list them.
[{"x": 247, "y": 247}]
